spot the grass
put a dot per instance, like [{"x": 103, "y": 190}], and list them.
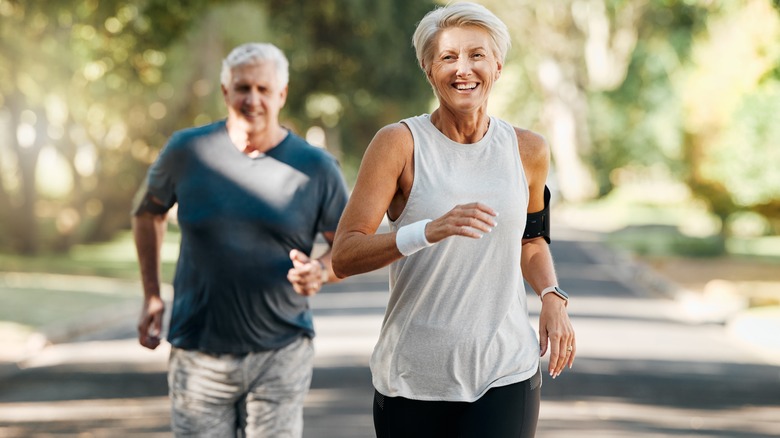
[
  {"x": 681, "y": 242},
  {"x": 661, "y": 241},
  {"x": 671, "y": 225},
  {"x": 36, "y": 307},
  {"x": 114, "y": 259},
  {"x": 54, "y": 289}
]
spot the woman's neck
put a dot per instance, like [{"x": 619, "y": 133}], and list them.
[{"x": 461, "y": 128}]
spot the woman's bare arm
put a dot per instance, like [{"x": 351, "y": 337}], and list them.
[{"x": 356, "y": 247}]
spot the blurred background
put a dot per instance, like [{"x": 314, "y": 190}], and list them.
[
  {"x": 662, "y": 117},
  {"x": 668, "y": 107}
]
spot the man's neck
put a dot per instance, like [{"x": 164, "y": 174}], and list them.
[{"x": 253, "y": 142}]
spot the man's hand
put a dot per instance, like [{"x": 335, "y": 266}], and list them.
[
  {"x": 150, "y": 324},
  {"x": 306, "y": 275}
]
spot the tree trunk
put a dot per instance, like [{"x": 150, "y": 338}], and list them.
[
  {"x": 565, "y": 113},
  {"x": 24, "y": 221}
]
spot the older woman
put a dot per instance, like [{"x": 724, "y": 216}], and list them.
[{"x": 457, "y": 355}]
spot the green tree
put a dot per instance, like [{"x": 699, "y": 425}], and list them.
[
  {"x": 564, "y": 51},
  {"x": 353, "y": 66},
  {"x": 731, "y": 144},
  {"x": 639, "y": 124},
  {"x": 90, "y": 91},
  {"x": 63, "y": 67},
  {"x": 685, "y": 85},
  {"x": 697, "y": 100}
]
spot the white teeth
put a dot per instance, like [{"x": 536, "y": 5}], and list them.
[{"x": 469, "y": 86}]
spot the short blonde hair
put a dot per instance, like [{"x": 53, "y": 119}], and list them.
[{"x": 456, "y": 15}]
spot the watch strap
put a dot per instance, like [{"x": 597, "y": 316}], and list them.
[
  {"x": 552, "y": 289},
  {"x": 324, "y": 275}
]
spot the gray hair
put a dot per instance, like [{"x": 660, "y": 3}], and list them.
[
  {"x": 456, "y": 15},
  {"x": 251, "y": 53}
]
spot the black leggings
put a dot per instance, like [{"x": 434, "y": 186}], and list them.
[{"x": 502, "y": 412}]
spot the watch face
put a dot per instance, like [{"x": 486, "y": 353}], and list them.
[{"x": 560, "y": 292}]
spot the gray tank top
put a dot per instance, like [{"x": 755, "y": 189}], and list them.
[{"x": 457, "y": 321}]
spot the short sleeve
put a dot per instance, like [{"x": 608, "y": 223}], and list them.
[
  {"x": 160, "y": 179},
  {"x": 334, "y": 197}
]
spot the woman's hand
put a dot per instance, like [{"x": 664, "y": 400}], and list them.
[
  {"x": 469, "y": 220},
  {"x": 556, "y": 330}
]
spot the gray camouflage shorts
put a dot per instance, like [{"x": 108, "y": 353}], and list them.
[{"x": 254, "y": 395}]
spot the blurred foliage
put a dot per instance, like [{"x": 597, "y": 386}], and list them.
[
  {"x": 81, "y": 84},
  {"x": 732, "y": 120},
  {"x": 624, "y": 90},
  {"x": 90, "y": 91},
  {"x": 626, "y": 86},
  {"x": 352, "y": 66},
  {"x": 699, "y": 98},
  {"x": 638, "y": 124}
]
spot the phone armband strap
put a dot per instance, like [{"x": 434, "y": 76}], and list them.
[{"x": 538, "y": 224}]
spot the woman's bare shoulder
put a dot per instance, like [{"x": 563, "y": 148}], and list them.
[
  {"x": 391, "y": 141},
  {"x": 394, "y": 133},
  {"x": 532, "y": 145}
]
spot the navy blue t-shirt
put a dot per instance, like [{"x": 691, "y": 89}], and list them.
[{"x": 239, "y": 218}]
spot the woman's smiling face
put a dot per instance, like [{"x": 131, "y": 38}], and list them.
[{"x": 463, "y": 68}]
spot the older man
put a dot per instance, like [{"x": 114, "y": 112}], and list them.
[{"x": 252, "y": 197}]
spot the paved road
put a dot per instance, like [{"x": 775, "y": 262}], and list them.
[{"x": 646, "y": 368}]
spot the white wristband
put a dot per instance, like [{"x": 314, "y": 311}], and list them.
[{"x": 411, "y": 238}]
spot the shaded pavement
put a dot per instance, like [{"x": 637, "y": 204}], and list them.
[{"x": 646, "y": 366}]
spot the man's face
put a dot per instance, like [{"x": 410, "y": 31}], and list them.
[{"x": 254, "y": 96}]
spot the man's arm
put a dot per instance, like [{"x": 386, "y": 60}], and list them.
[{"x": 148, "y": 233}]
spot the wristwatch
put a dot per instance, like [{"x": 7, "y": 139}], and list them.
[
  {"x": 324, "y": 275},
  {"x": 557, "y": 291}
]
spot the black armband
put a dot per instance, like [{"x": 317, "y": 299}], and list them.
[
  {"x": 149, "y": 204},
  {"x": 538, "y": 224}
]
